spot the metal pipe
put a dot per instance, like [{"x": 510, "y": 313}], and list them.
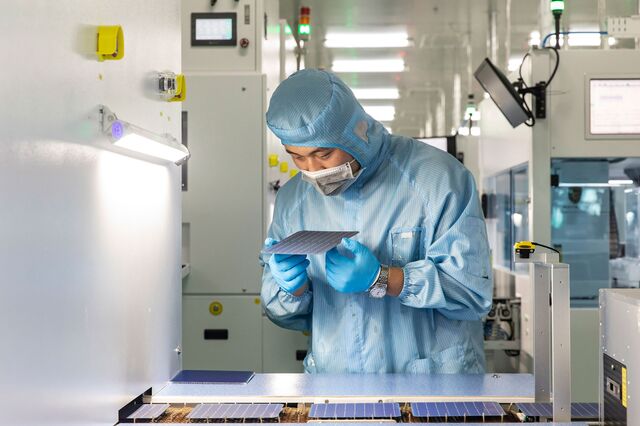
[
  {"x": 507, "y": 40},
  {"x": 492, "y": 36}
]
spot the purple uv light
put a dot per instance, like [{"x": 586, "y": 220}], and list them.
[{"x": 117, "y": 129}]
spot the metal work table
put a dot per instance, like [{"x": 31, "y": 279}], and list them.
[{"x": 313, "y": 388}]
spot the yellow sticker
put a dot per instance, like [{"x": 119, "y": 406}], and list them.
[
  {"x": 215, "y": 308},
  {"x": 624, "y": 387},
  {"x": 256, "y": 300},
  {"x": 284, "y": 167}
]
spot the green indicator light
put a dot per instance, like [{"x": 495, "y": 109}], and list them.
[
  {"x": 287, "y": 30},
  {"x": 557, "y": 5},
  {"x": 304, "y": 29}
]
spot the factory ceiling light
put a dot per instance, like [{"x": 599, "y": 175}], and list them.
[
  {"x": 368, "y": 65},
  {"x": 377, "y": 93},
  {"x": 381, "y": 112},
  {"x": 366, "y": 40}
]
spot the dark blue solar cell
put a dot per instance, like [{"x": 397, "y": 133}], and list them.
[
  {"x": 456, "y": 409},
  {"x": 235, "y": 411},
  {"x": 213, "y": 376},
  {"x": 579, "y": 410},
  {"x": 354, "y": 410},
  {"x": 149, "y": 412}
]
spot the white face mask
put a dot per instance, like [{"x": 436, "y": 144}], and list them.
[{"x": 331, "y": 181}]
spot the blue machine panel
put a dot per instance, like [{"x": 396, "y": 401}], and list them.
[
  {"x": 148, "y": 412},
  {"x": 355, "y": 411},
  {"x": 456, "y": 409},
  {"x": 579, "y": 410},
  {"x": 235, "y": 411}
]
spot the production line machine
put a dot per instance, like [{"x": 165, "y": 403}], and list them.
[{"x": 205, "y": 397}]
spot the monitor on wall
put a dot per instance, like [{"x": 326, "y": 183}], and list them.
[
  {"x": 502, "y": 92},
  {"x": 612, "y": 108}
]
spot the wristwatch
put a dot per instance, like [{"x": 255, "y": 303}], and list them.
[{"x": 379, "y": 287}]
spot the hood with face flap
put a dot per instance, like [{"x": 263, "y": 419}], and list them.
[{"x": 316, "y": 108}]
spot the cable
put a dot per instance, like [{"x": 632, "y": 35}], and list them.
[
  {"x": 555, "y": 69},
  {"x": 542, "y": 245},
  {"x": 524, "y": 58}
]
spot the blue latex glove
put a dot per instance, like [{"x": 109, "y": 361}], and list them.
[
  {"x": 353, "y": 273},
  {"x": 289, "y": 270}
]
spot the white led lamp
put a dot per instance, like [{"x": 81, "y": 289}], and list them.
[{"x": 134, "y": 138}]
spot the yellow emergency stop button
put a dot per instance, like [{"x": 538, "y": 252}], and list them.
[{"x": 215, "y": 308}]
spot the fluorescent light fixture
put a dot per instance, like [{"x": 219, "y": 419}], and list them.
[
  {"x": 611, "y": 183},
  {"x": 514, "y": 64},
  {"x": 379, "y": 93},
  {"x": 584, "y": 40},
  {"x": 534, "y": 38},
  {"x": 381, "y": 112},
  {"x": 134, "y": 138},
  {"x": 290, "y": 44},
  {"x": 368, "y": 65},
  {"x": 366, "y": 40}
]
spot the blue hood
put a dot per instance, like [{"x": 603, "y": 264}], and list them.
[{"x": 316, "y": 108}]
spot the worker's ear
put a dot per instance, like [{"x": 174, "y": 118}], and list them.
[{"x": 361, "y": 130}]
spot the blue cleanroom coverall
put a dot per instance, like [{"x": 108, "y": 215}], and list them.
[{"x": 415, "y": 207}]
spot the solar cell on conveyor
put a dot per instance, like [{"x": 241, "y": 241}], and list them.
[
  {"x": 235, "y": 411},
  {"x": 579, "y": 410},
  {"x": 456, "y": 409},
  {"x": 148, "y": 412},
  {"x": 355, "y": 410}
]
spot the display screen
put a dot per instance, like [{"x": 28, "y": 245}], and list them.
[
  {"x": 614, "y": 107},
  {"x": 214, "y": 29},
  {"x": 494, "y": 82}
]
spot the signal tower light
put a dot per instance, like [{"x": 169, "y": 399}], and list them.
[
  {"x": 304, "y": 23},
  {"x": 557, "y": 7}
]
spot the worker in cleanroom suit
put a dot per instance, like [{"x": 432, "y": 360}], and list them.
[{"x": 408, "y": 292}]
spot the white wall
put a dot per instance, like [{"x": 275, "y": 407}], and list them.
[{"x": 89, "y": 238}]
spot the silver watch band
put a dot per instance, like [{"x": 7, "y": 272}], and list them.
[{"x": 379, "y": 287}]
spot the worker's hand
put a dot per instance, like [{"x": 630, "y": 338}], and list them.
[
  {"x": 353, "y": 273},
  {"x": 289, "y": 270}
]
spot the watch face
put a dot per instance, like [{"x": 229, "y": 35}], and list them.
[{"x": 378, "y": 291}]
